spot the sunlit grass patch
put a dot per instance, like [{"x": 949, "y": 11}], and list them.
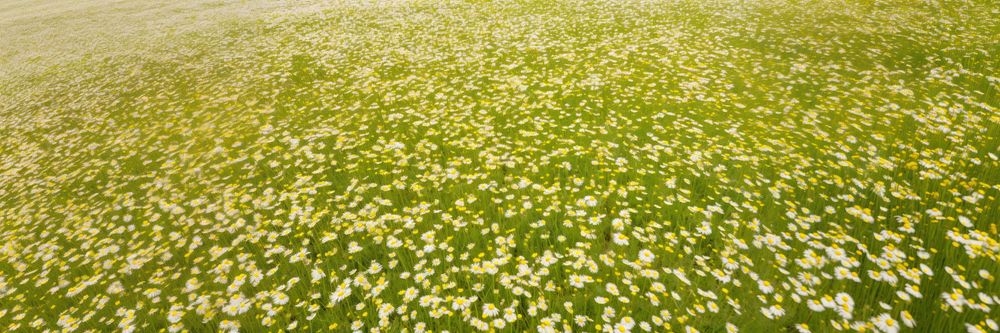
[{"x": 501, "y": 165}]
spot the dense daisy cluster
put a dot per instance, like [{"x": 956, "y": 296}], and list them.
[{"x": 549, "y": 166}]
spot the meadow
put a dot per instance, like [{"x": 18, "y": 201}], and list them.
[{"x": 499, "y": 166}]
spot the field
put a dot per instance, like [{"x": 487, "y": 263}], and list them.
[{"x": 501, "y": 166}]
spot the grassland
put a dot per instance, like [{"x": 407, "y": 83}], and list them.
[{"x": 432, "y": 166}]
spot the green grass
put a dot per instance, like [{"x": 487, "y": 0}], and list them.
[{"x": 151, "y": 155}]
